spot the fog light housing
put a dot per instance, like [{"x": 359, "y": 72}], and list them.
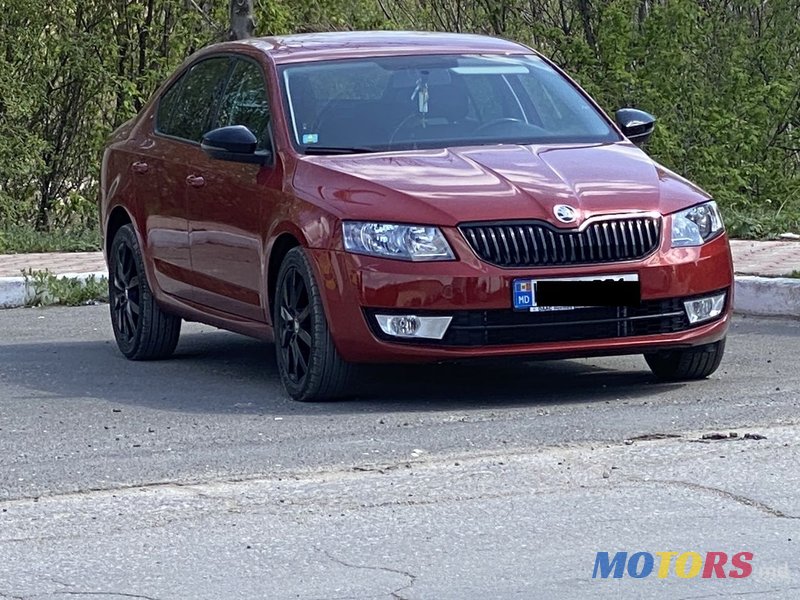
[
  {"x": 413, "y": 326},
  {"x": 703, "y": 309}
]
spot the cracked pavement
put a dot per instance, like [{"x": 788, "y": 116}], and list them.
[{"x": 197, "y": 478}]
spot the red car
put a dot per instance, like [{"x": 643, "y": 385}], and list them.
[{"x": 405, "y": 197}]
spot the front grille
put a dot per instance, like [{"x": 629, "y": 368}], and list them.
[
  {"x": 539, "y": 244},
  {"x": 507, "y": 327}
]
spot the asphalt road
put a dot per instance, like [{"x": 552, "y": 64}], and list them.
[{"x": 198, "y": 478}]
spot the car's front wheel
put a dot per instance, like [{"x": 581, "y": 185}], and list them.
[
  {"x": 689, "y": 363},
  {"x": 143, "y": 331},
  {"x": 308, "y": 362}
]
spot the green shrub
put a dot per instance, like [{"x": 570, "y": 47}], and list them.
[{"x": 49, "y": 289}]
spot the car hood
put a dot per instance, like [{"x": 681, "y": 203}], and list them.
[{"x": 480, "y": 183}]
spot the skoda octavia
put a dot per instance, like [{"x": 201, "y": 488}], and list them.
[{"x": 405, "y": 197}]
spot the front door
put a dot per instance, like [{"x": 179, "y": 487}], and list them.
[{"x": 230, "y": 202}]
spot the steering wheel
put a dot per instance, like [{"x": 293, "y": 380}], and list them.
[{"x": 495, "y": 122}]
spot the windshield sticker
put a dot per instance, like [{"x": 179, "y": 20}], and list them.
[{"x": 310, "y": 138}]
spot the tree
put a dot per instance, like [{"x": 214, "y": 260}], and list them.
[{"x": 243, "y": 23}]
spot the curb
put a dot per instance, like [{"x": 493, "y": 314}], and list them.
[
  {"x": 19, "y": 291},
  {"x": 753, "y": 295},
  {"x": 767, "y": 296}
]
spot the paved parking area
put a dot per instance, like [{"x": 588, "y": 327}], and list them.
[{"x": 197, "y": 478}]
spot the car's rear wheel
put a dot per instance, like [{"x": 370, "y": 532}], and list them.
[
  {"x": 689, "y": 363},
  {"x": 308, "y": 362},
  {"x": 143, "y": 331}
]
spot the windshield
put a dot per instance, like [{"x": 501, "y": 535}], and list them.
[{"x": 407, "y": 102}]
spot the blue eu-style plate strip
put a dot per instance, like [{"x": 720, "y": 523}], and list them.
[{"x": 523, "y": 294}]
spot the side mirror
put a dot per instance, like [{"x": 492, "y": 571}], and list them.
[
  {"x": 235, "y": 143},
  {"x": 637, "y": 125}
]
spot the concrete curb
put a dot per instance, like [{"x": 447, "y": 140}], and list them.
[
  {"x": 762, "y": 296},
  {"x": 767, "y": 296},
  {"x": 18, "y": 291}
]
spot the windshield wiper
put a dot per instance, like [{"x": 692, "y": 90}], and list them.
[{"x": 336, "y": 150}]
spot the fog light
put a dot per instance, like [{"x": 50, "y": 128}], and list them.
[
  {"x": 412, "y": 326},
  {"x": 703, "y": 309}
]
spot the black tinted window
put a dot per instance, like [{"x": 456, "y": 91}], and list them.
[
  {"x": 188, "y": 114},
  {"x": 437, "y": 101},
  {"x": 245, "y": 101},
  {"x": 166, "y": 106}
]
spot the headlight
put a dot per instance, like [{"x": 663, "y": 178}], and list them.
[
  {"x": 388, "y": 240},
  {"x": 696, "y": 225}
]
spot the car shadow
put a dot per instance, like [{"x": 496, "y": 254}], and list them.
[{"x": 219, "y": 372}]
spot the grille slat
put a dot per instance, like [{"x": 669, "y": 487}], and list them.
[
  {"x": 506, "y": 248},
  {"x": 640, "y": 235},
  {"x": 493, "y": 237},
  {"x": 527, "y": 258},
  {"x": 533, "y": 244},
  {"x": 543, "y": 246}
]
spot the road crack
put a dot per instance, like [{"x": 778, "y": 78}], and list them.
[
  {"x": 738, "y": 498},
  {"x": 394, "y": 594},
  {"x": 120, "y": 594}
]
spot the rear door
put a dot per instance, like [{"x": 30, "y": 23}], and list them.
[
  {"x": 161, "y": 171},
  {"x": 231, "y": 202}
]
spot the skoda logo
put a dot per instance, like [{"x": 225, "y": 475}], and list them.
[{"x": 565, "y": 214}]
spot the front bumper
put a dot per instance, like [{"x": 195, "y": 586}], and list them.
[{"x": 478, "y": 295}]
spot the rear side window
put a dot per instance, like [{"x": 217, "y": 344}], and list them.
[
  {"x": 185, "y": 110},
  {"x": 245, "y": 101}
]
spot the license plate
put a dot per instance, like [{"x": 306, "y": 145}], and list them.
[{"x": 570, "y": 293}]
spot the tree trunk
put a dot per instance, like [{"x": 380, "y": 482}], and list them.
[{"x": 242, "y": 22}]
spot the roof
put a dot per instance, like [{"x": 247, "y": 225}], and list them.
[{"x": 352, "y": 44}]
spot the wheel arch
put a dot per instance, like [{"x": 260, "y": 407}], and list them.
[
  {"x": 280, "y": 248},
  {"x": 118, "y": 218}
]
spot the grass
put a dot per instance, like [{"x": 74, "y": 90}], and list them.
[
  {"x": 49, "y": 289},
  {"x": 795, "y": 274},
  {"x": 21, "y": 239}
]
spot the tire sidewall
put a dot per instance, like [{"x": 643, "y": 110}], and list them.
[
  {"x": 127, "y": 236},
  {"x": 295, "y": 259}
]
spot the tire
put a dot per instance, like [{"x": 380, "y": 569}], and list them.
[
  {"x": 691, "y": 363},
  {"x": 143, "y": 331},
  {"x": 309, "y": 364}
]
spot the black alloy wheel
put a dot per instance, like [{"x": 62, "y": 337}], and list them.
[
  {"x": 308, "y": 362},
  {"x": 124, "y": 294},
  {"x": 142, "y": 329},
  {"x": 295, "y": 327}
]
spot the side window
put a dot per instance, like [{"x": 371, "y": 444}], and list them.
[
  {"x": 245, "y": 101},
  {"x": 185, "y": 110},
  {"x": 167, "y": 105}
]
